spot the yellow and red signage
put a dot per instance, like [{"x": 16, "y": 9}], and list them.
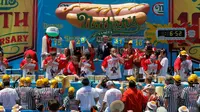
[{"x": 18, "y": 26}]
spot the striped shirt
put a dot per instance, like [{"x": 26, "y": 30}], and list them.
[
  {"x": 45, "y": 94},
  {"x": 26, "y": 95},
  {"x": 171, "y": 94},
  {"x": 190, "y": 97},
  {"x": 197, "y": 86},
  {"x": 179, "y": 100}
]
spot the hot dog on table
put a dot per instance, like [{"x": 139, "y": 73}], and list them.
[{"x": 100, "y": 12}]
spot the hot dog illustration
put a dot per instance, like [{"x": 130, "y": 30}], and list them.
[{"x": 103, "y": 12}]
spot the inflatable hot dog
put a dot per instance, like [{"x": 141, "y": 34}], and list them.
[{"x": 103, "y": 12}]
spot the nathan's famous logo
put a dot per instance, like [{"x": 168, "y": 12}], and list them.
[
  {"x": 116, "y": 18},
  {"x": 8, "y": 4},
  {"x": 17, "y": 26}
]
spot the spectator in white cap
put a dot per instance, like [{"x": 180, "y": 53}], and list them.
[
  {"x": 183, "y": 109},
  {"x": 117, "y": 106},
  {"x": 161, "y": 109},
  {"x": 151, "y": 106},
  {"x": 111, "y": 95}
]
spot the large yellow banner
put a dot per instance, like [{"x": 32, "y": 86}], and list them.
[
  {"x": 18, "y": 26},
  {"x": 187, "y": 11}
]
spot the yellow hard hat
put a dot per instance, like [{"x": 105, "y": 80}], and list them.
[
  {"x": 21, "y": 81},
  {"x": 191, "y": 79},
  {"x": 194, "y": 76},
  {"x": 130, "y": 42},
  {"x": 1, "y": 84},
  {"x": 28, "y": 80},
  {"x": 71, "y": 90},
  {"x": 183, "y": 52},
  {"x": 45, "y": 81},
  {"x": 6, "y": 77},
  {"x": 131, "y": 78},
  {"x": 53, "y": 83},
  {"x": 177, "y": 78},
  {"x": 39, "y": 83}
]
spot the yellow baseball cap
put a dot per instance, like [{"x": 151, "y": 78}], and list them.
[
  {"x": 177, "y": 78},
  {"x": 28, "y": 80},
  {"x": 195, "y": 76},
  {"x": 71, "y": 90},
  {"x": 183, "y": 52},
  {"x": 130, "y": 42},
  {"x": 21, "y": 81},
  {"x": 53, "y": 83},
  {"x": 6, "y": 77},
  {"x": 39, "y": 83},
  {"x": 45, "y": 81},
  {"x": 1, "y": 84},
  {"x": 191, "y": 79},
  {"x": 131, "y": 78}
]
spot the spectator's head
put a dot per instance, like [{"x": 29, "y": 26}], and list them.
[
  {"x": 2, "y": 109},
  {"x": 40, "y": 108},
  {"x": 6, "y": 77},
  {"x": 169, "y": 79},
  {"x": 74, "y": 60},
  {"x": 67, "y": 52},
  {"x": 113, "y": 52},
  {"x": 39, "y": 83},
  {"x": 177, "y": 79},
  {"x": 183, "y": 109},
  {"x": 86, "y": 55},
  {"x": 148, "y": 79},
  {"x": 152, "y": 106},
  {"x": 1, "y": 55},
  {"x": 103, "y": 83},
  {"x": 183, "y": 55},
  {"x": 54, "y": 83},
  {"x": 1, "y": 85},
  {"x": 53, "y": 55},
  {"x": 182, "y": 48},
  {"x": 53, "y": 105},
  {"x": 22, "y": 81},
  {"x": 27, "y": 82},
  {"x": 28, "y": 58},
  {"x": 46, "y": 82},
  {"x": 105, "y": 38},
  {"x": 110, "y": 84},
  {"x": 161, "y": 109},
  {"x": 163, "y": 52},
  {"x": 71, "y": 91},
  {"x": 191, "y": 80},
  {"x": 85, "y": 82},
  {"x": 117, "y": 106},
  {"x": 195, "y": 77},
  {"x": 132, "y": 84}
]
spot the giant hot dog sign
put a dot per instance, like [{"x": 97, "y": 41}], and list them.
[
  {"x": 118, "y": 19},
  {"x": 18, "y": 27}
]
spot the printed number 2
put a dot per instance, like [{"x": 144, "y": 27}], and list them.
[{"x": 183, "y": 18}]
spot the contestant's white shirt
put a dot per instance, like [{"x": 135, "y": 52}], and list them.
[
  {"x": 101, "y": 93},
  {"x": 164, "y": 62},
  {"x": 86, "y": 96},
  {"x": 8, "y": 97},
  {"x": 111, "y": 95}
]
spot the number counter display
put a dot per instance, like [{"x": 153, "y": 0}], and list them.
[{"x": 171, "y": 33}]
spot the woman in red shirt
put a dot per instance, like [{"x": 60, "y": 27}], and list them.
[{"x": 128, "y": 62}]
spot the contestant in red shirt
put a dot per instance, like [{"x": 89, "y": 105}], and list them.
[
  {"x": 128, "y": 62},
  {"x": 86, "y": 64},
  {"x": 133, "y": 98},
  {"x": 51, "y": 64},
  {"x": 111, "y": 65},
  {"x": 151, "y": 66},
  {"x": 29, "y": 66},
  {"x": 3, "y": 63},
  {"x": 32, "y": 53},
  {"x": 64, "y": 58},
  {"x": 71, "y": 67}
]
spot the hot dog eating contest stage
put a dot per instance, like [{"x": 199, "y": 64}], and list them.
[{"x": 93, "y": 16}]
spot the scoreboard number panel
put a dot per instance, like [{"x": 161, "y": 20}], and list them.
[{"x": 171, "y": 33}]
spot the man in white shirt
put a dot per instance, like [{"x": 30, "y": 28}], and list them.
[
  {"x": 111, "y": 95},
  {"x": 101, "y": 89},
  {"x": 86, "y": 96},
  {"x": 164, "y": 62},
  {"x": 8, "y": 96}
]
